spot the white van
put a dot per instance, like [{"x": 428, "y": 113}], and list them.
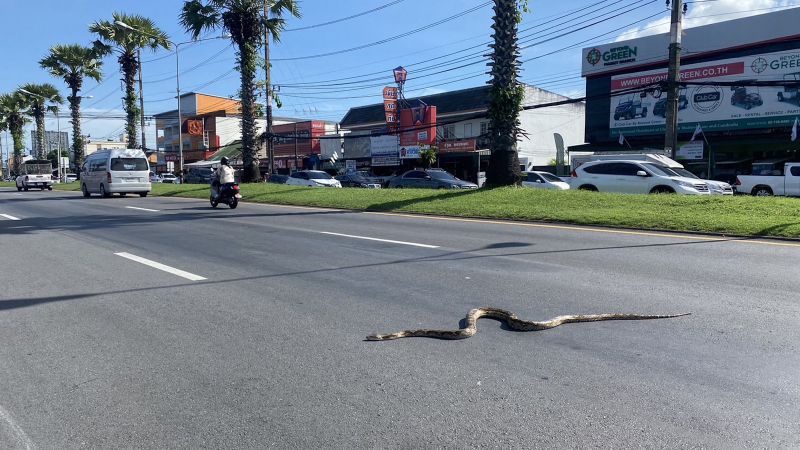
[{"x": 120, "y": 171}]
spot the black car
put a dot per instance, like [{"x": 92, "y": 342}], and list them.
[
  {"x": 199, "y": 175},
  {"x": 277, "y": 178},
  {"x": 355, "y": 179},
  {"x": 431, "y": 179}
]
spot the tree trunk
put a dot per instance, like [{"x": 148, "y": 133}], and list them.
[
  {"x": 506, "y": 97},
  {"x": 19, "y": 145},
  {"x": 39, "y": 117},
  {"x": 247, "y": 69},
  {"x": 77, "y": 137},
  {"x": 130, "y": 66}
]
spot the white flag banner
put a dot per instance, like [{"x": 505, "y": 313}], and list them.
[
  {"x": 794, "y": 130},
  {"x": 621, "y": 139},
  {"x": 697, "y": 131}
]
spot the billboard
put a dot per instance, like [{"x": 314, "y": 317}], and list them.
[
  {"x": 716, "y": 108},
  {"x": 299, "y": 137},
  {"x": 418, "y": 125}
]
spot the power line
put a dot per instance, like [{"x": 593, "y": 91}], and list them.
[{"x": 345, "y": 18}]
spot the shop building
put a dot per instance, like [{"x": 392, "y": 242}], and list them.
[{"x": 741, "y": 123}]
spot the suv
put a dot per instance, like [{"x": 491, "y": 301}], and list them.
[
  {"x": 199, "y": 175},
  {"x": 629, "y": 109},
  {"x": 634, "y": 177}
]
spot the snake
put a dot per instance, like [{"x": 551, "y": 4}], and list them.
[{"x": 513, "y": 322}]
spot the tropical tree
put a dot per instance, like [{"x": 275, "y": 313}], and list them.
[
  {"x": 125, "y": 36},
  {"x": 243, "y": 20},
  {"x": 36, "y": 96},
  {"x": 428, "y": 157},
  {"x": 12, "y": 118},
  {"x": 506, "y": 95},
  {"x": 73, "y": 63}
]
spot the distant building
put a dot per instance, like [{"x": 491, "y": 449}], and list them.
[
  {"x": 51, "y": 141},
  {"x": 91, "y": 146},
  {"x": 209, "y": 122}
]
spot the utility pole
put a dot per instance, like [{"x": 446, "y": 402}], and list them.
[
  {"x": 141, "y": 99},
  {"x": 270, "y": 154},
  {"x": 675, "y": 30}
]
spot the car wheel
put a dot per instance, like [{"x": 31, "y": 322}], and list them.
[
  {"x": 19, "y": 188},
  {"x": 662, "y": 190},
  {"x": 103, "y": 192},
  {"x": 234, "y": 203},
  {"x": 49, "y": 188},
  {"x": 587, "y": 187},
  {"x": 762, "y": 191},
  {"x": 85, "y": 191},
  {"x": 142, "y": 194}
]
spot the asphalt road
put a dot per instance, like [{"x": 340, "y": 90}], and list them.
[{"x": 257, "y": 339}]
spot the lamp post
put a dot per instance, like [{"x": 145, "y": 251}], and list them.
[{"x": 177, "y": 79}]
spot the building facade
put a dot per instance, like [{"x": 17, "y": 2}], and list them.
[
  {"x": 738, "y": 95},
  {"x": 462, "y": 131},
  {"x": 53, "y": 140}
]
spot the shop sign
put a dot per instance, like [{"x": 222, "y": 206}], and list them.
[
  {"x": 691, "y": 150},
  {"x": 460, "y": 146},
  {"x": 385, "y": 161}
]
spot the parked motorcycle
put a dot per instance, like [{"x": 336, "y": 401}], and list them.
[{"x": 229, "y": 194}]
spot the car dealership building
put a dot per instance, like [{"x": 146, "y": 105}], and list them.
[{"x": 741, "y": 123}]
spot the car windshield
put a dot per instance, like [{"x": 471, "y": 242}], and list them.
[
  {"x": 441, "y": 175},
  {"x": 318, "y": 176},
  {"x": 661, "y": 170},
  {"x": 549, "y": 177},
  {"x": 357, "y": 178},
  {"x": 129, "y": 164},
  {"x": 683, "y": 172}
]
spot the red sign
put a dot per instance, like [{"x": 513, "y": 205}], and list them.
[
  {"x": 418, "y": 126},
  {"x": 390, "y": 106},
  {"x": 389, "y": 93},
  {"x": 464, "y": 145},
  {"x": 194, "y": 127},
  {"x": 303, "y": 136}
]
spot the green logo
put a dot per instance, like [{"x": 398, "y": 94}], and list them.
[{"x": 593, "y": 57}]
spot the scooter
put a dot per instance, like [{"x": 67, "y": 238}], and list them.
[{"x": 228, "y": 194}]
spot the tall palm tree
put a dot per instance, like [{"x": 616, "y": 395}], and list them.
[
  {"x": 74, "y": 63},
  {"x": 506, "y": 95},
  {"x": 242, "y": 19},
  {"x": 36, "y": 96},
  {"x": 126, "y": 42},
  {"x": 12, "y": 118}
]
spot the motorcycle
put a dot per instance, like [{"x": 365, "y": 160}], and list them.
[{"x": 228, "y": 193}]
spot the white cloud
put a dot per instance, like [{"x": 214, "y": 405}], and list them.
[{"x": 710, "y": 12}]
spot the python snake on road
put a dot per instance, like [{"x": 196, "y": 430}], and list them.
[{"x": 513, "y": 322}]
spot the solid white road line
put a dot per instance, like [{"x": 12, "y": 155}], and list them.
[
  {"x": 159, "y": 266},
  {"x": 414, "y": 244},
  {"x": 9, "y": 217},
  {"x": 142, "y": 209},
  {"x": 23, "y": 441}
]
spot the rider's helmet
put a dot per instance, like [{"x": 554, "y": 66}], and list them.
[{"x": 224, "y": 161}]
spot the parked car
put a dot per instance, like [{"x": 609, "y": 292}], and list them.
[
  {"x": 543, "y": 180},
  {"x": 787, "y": 184},
  {"x": 634, "y": 177},
  {"x": 715, "y": 187},
  {"x": 71, "y": 178},
  {"x": 431, "y": 179},
  {"x": 169, "y": 178},
  {"x": 35, "y": 174},
  {"x": 355, "y": 179},
  {"x": 313, "y": 178},
  {"x": 199, "y": 175},
  {"x": 155, "y": 178},
  {"x": 122, "y": 171},
  {"x": 277, "y": 178}
]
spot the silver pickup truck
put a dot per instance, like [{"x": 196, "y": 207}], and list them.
[
  {"x": 35, "y": 174},
  {"x": 787, "y": 184}
]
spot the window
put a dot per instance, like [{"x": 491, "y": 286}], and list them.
[
  {"x": 415, "y": 174},
  {"x": 441, "y": 175},
  {"x": 449, "y": 131},
  {"x": 484, "y": 128},
  {"x": 602, "y": 169},
  {"x": 550, "y": 177},
  {"x": 628, "y": 170},
  {"x": 467, "y": 130},
  {"x": 533, "y": 178},
  {"x": 138, "y": 164},
  {"x": 300, "y": 175},
  {"x": 318, "y": 176}
]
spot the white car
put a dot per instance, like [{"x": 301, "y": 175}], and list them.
[
  {"x": 35, "y": 174},
  {"x": 716, "y": 187},
  {"x": 544, "y": 180},
  {"x": 313, "y": 178},
  {"x": 169, "y": 178},
  {"x": 634, "y": 177},
  {"x": 71, "y": 178}
]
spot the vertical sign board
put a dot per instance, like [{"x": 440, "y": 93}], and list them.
[{"x": 390, "y": 107}]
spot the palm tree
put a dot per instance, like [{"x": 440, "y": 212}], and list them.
[
  {"x": 73, "y": 63},
  {"x": 506, "y": 95},
  {"x": 242, "y": 19},
  {"x": 139, "y": 33},
  {"x": 35, "y": 96},
  {"x": 12, "y": 118}
]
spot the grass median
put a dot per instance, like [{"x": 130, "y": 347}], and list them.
[{"x": 739, "y": 215}]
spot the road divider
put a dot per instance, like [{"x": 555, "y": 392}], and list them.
[
  {"x": 9, "y": 217},
  {"x": 142, "y": 209},
  {"x": 413, "y": 244},
  {"x": 159, "y": 266}
]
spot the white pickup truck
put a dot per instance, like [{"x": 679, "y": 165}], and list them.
[
  {"x": 787, "y": 184},
  {"x": 35, "y": 174}
]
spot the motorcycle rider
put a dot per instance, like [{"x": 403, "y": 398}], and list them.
[{"x": 223, "y": 175}]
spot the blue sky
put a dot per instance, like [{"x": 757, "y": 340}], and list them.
[{"x": 30, "y": 27}]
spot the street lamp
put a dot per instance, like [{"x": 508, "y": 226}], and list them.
[{"x": 177, "y": 79}]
